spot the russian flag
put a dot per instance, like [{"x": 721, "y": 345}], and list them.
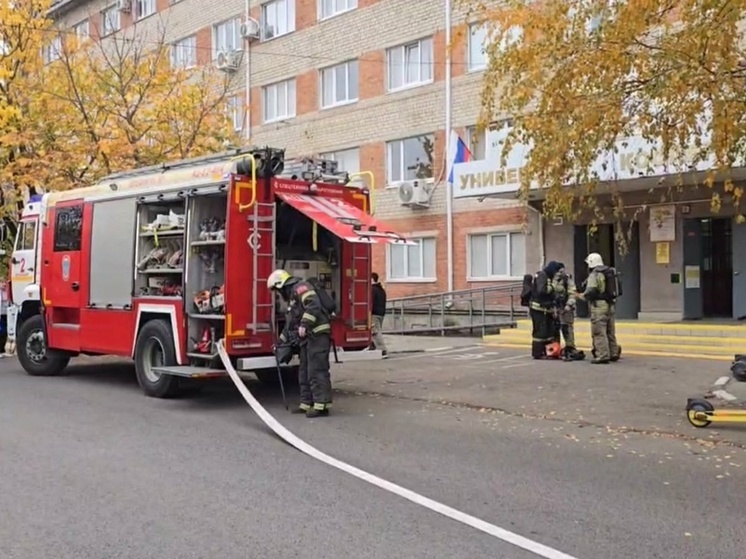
[{"x": 458, "y": 153}]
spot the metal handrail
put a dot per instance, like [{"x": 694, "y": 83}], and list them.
[{"x": 483, "y": 305}]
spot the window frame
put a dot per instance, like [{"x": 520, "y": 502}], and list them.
[
  {"x": 237, "y": 108},
  {"x": 403, "y": 48},
  {"x": 179, "y": 46},
  {"x": 236, "y": 32},
  {"x": 390, "y": 183},
  {"x": 53, "y": 50},
  {"x": 421, "y": 240},
  {"x": 508, "y": 256},
  {"x": 293, "y": 110},
  {"x": 82, "y": 30},
  {"x": 152, "y": 5},
  {"x": 333, "y": 73},
  {"x": 77, "y": 241},
  {"x": 470, "y": 66},
  {"x": 289, "y": 23},
  {"x": 110, "y": 10},
  {"x": 21, "y": 235},
  {"x": 351, "y": 5}
]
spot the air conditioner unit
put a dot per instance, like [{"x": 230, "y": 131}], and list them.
[
  {"x": 124, "y": 6},
  {"x": 250, "y": 29},
  {"x": 228, "y": 61},
  {"x": 414, "y": 194}
]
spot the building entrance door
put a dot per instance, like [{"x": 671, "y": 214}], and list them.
[{"x": 717, "y": 268}]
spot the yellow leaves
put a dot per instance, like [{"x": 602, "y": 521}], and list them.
[
  {"x": 587, "y": 73},
  {"x": 106, "y": 107}
]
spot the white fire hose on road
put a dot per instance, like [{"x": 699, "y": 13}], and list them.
[{"x": 500, "y": 533}]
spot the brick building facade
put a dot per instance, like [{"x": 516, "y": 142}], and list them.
[{"x": 361, "y": 81}]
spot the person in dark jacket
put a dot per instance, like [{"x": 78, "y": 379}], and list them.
[
  {"x": 542, "y": 309},
  {"x": 378, "y": 311},
  {"x": 308, "y": 319}
]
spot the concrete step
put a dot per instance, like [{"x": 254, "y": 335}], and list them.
[
  {"x": 737, "y": 345},
  {"x": 658, "y": 329},
  {"x": 683, "y": 353}
]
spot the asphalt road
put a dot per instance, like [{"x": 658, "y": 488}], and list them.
[{"x": 90, "y": 468}]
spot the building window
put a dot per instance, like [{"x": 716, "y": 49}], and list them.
[
  {"x": 184, "y": 52},
  {"x": 339, "y": 84},
  {"x": 477, "y": 38},
  {"x": 53, "y": 50},
  {"x": 410, "y": 65},
  {"x": 68, "y": 228},
  {"x": 145, "y": 8},
  {"x": 82, "y": 31},
  {"x": 236, "y": 106},
  {"x": 413, "y": 262},
  {"x": 410, "y": 159},
  {"x": 497, "y": 256},
  {"x": 110, "y": 21},
  {"x": 226, "y": 37},
  {"x": 331, "y": 8},
  {"x": 278, "y": 101},
  {"x": 348, "y": 160},
  {"x": 278, "y": 18},
  {"x": 477, "y": 142}
]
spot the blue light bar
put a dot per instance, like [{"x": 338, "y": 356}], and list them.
[{"x": 35, "y": 198}]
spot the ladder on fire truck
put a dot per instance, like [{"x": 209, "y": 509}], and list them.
[
  {"x": 360, "y": 256},
  {"x": 262, "y": 242}
]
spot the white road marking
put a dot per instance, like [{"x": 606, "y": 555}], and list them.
[
  {"x": 511, "y": 358},
  {"x": 723, "y": 395},
  {"x": 516, "y": 365},
  {"x": 444, "y": 348},
  {"x": 722, "y": 381},
  {"x": 421, "y": 355},
  {"x": 500, "y": 533}
]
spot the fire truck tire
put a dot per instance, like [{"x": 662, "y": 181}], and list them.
[
  {"x": 36, "y": 359},
  {"x": 155, "y": 348}
]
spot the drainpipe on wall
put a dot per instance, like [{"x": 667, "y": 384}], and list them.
[
  {"x": 247, "y": 108},
  {"x": 449, "y": 158}
]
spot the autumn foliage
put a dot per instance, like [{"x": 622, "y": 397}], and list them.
[
  {"x": 579, "y": 75},
  {"x": 100, "y": 107}
]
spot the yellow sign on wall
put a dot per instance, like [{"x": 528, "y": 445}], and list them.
[{"x": 662, "y": 253}]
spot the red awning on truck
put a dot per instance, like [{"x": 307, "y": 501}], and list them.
[{"x": 344, "y": 220}]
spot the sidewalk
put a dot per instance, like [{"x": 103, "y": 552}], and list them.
[{"x": 639, "y": 393}]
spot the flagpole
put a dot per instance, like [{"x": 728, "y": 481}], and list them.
[{"x": 449, "y": 155}]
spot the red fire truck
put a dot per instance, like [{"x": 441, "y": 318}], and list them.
[{"x": 160, "y": 263}]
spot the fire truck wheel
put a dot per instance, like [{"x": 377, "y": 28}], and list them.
[
  {"x": 36, "y": 359},
  {"x": 155, "y": 348}
]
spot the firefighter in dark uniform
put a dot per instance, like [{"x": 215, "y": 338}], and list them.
[
  {"x": 542, "y": 309},
  {"x": 308, "y": 320}
]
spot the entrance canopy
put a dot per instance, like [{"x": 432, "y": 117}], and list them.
[{"x": 342, "y": 219}]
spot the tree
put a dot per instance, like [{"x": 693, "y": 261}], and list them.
[
  {"x": 119, "y": 104},
  {"x": 578, "y": 75},
  {"x": 23, "y": 33}
]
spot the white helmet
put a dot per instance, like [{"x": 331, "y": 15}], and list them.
[
  {"x": 277, "y": 279},
  {"x": 594, "y": 260}
]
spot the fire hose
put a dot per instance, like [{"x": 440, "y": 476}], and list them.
[{"x": 472, "y": 521}]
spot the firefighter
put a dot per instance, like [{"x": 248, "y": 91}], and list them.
[
  {"x": 601, "y": 292},
  {"x": 314, "y": 334},
  {"x": 542, "y": 309},
  {"x": 564, "y": 296}
]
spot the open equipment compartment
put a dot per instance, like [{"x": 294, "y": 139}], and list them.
[
  {"x": 306, "y": 250},
  {"x": 205, "y": 278},
  {"x": 159, "y": 260}
]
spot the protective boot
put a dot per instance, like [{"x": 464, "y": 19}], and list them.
[
  {"x": 310, "y": 414},
  {"x": 618, "y": 355},
  {"x": 597, "y": 361}
]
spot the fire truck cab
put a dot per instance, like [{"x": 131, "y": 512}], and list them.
[{"x": 160, "y": 263}]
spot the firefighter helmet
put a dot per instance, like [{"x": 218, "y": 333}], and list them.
[{"x": 277, "y": 279}]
